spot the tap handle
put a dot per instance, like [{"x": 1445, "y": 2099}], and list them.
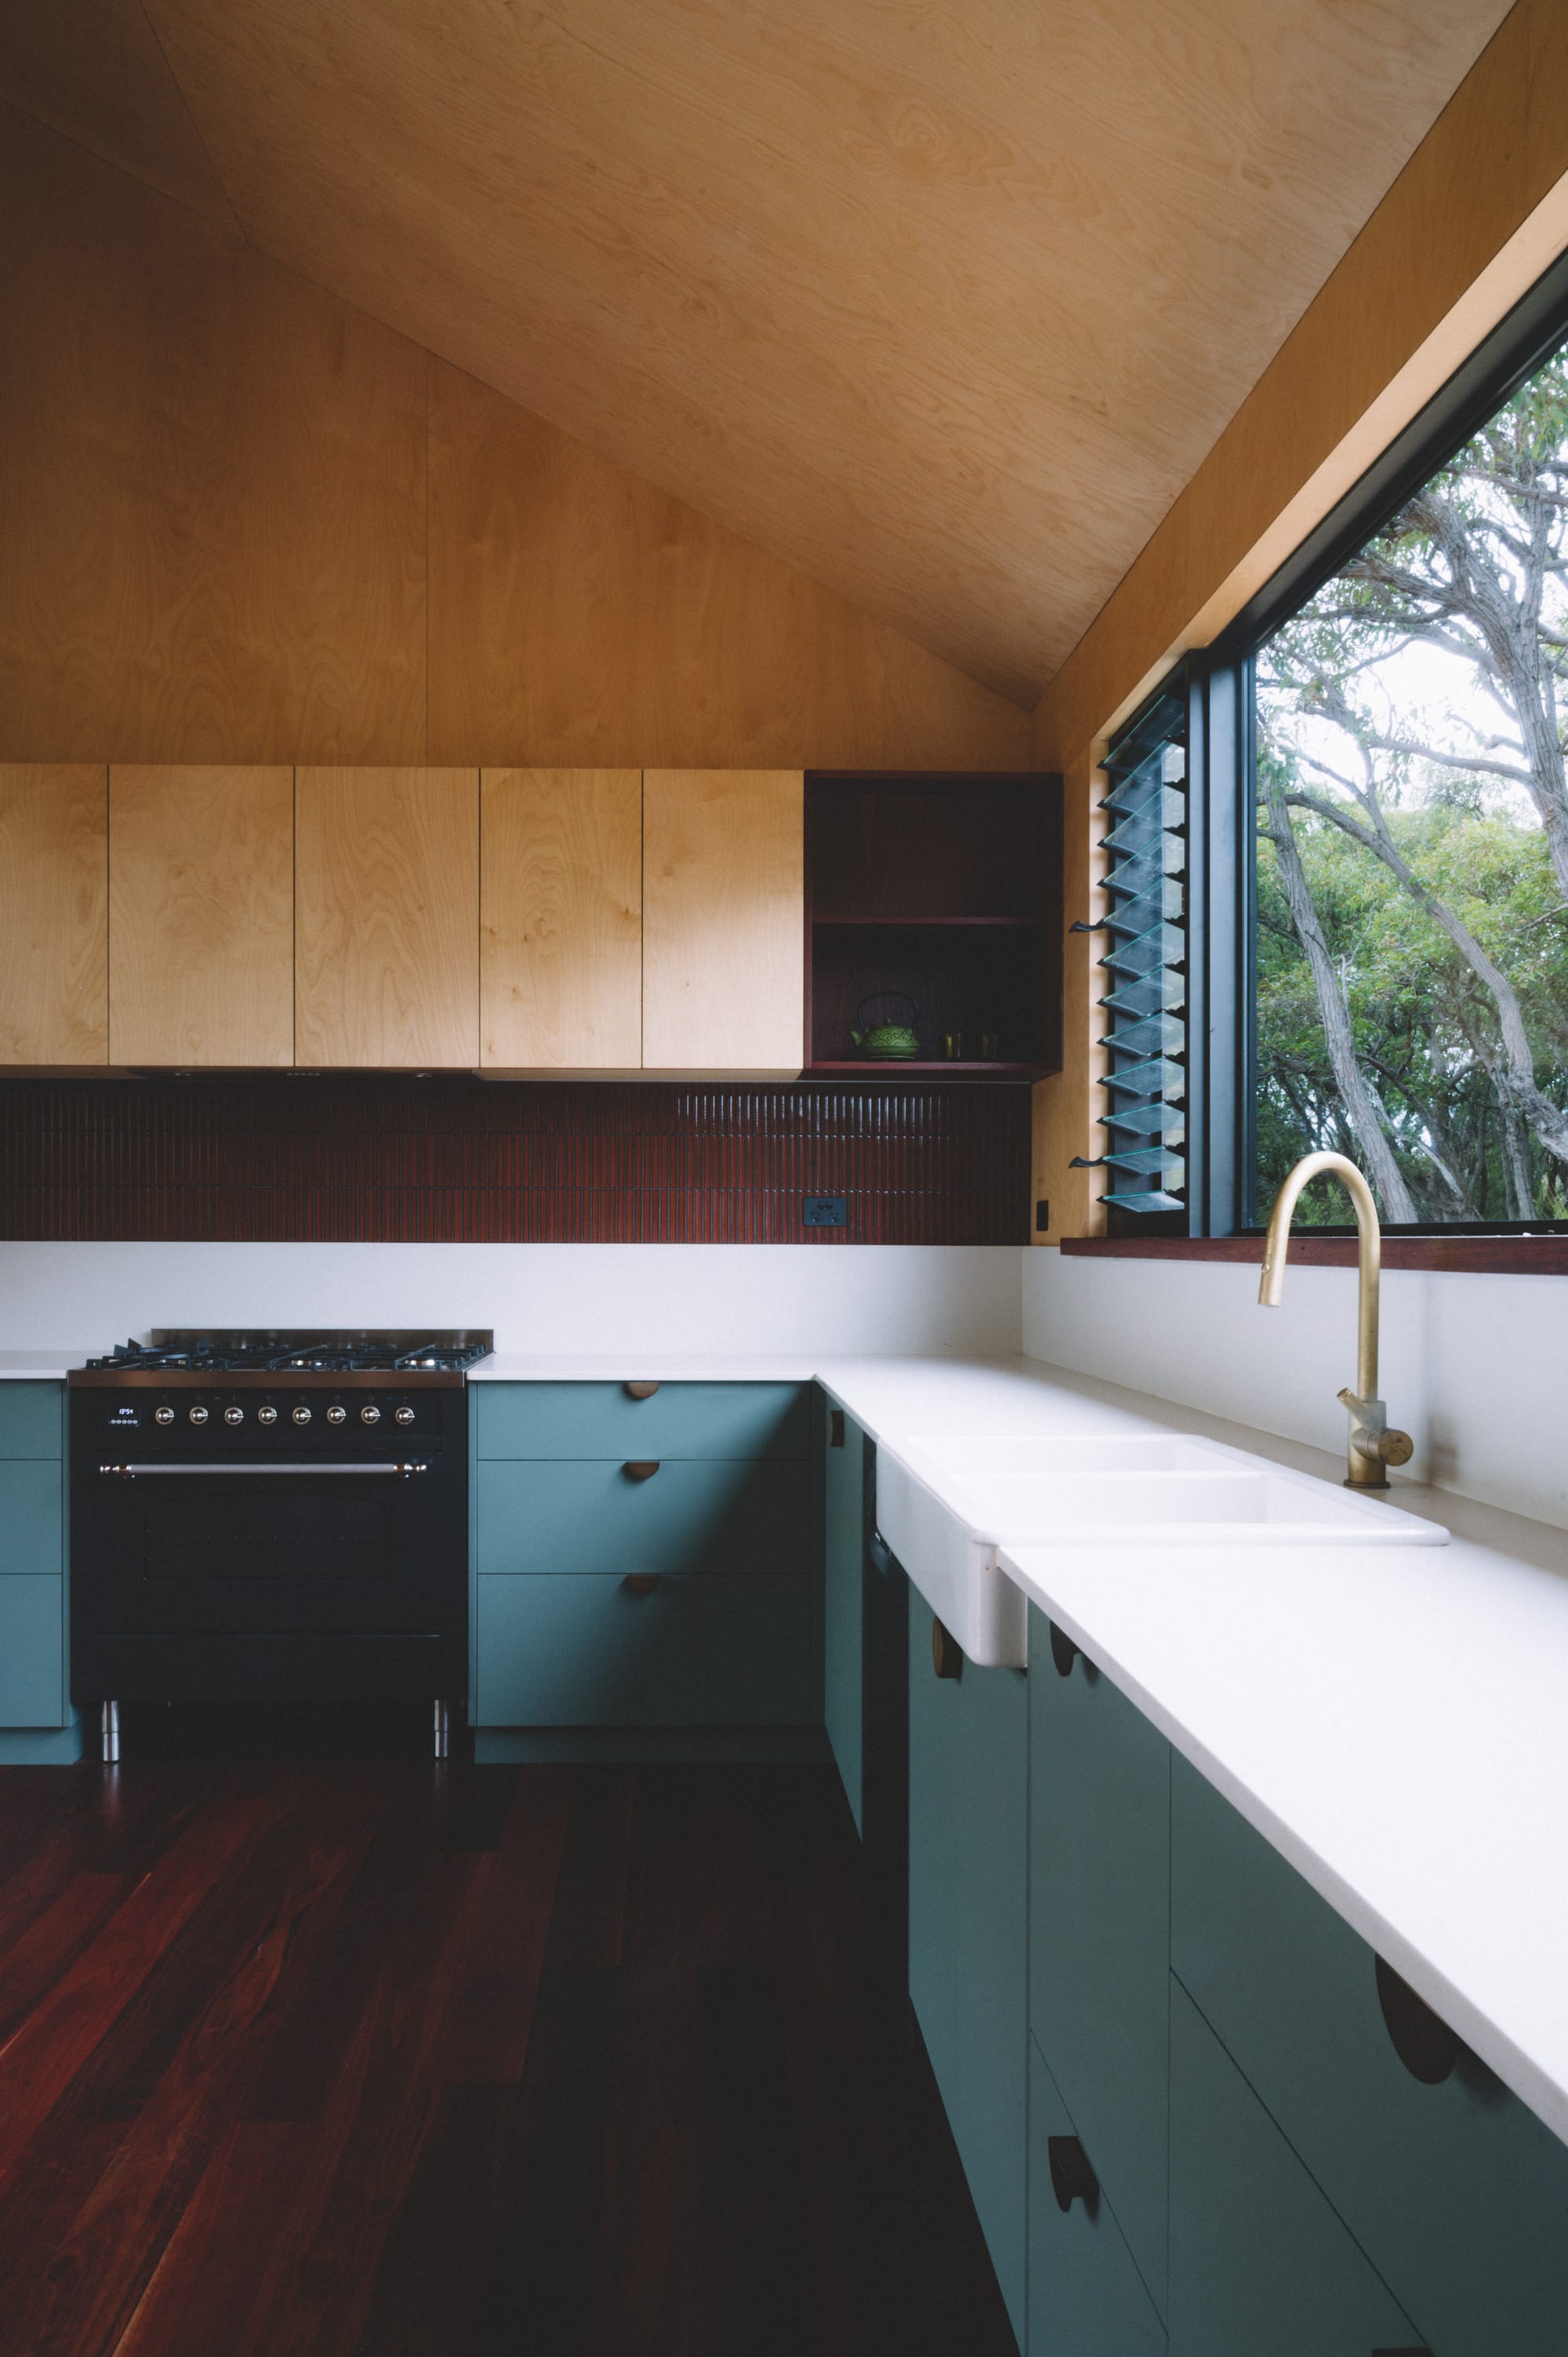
[{"x": 1372, "y": 1435}]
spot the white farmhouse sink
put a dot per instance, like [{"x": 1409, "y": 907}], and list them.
[{"x": 946, "y": 1507}]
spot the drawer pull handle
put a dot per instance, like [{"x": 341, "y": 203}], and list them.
[
  {"x": 640, "y": 1391},
  {"x": 1064, "y": 1652},
  {"x": 1421, "y": 2038},
  {"x": 640, "y": 1583},
  {"x": 947, "y": 1654},
  {"x": 1072, "y": 2179},
  {"x": 641, "y": 1469}
]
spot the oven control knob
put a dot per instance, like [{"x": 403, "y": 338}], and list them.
[
  {"x": 266, "y": 1416},
  {"x": 198, "y": 1415},
  {"x": 404, "y": 1416},
  {"x": 370, "y": 1414},
  {"x": 336, "y": 1415},
  {"x": 233, "y": 1416},
  {"x": 302, "y": 1415},
  {"x": 163, "y": 1416}
]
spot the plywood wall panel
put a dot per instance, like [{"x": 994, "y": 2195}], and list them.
[
  {"x": 560, "y": 920},
  {"x": 722, "y": 920},
  {"x": 578, "y": 615},
  {"x": 386, "y": 916},
  {"x": 213, "y": 541},
  {"x": 54, "y": 911},
  {"x": 201, "y": 915},
  {"x": 93, "y": 70},
  {"x": 211, "y": 488}
]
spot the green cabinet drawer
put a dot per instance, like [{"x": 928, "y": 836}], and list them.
[
  {"x": 1260, "y": 2265},
  {"x": 32, "y": 1517},
  {"x": 1100, "y": 1929},
  {"x": 693, "y": 1652},
  {"x": 583, "y": 1517},
  {"x": 969, "y": 1856},
  {"x": 32, "y": 1419},
  {"x": 1086, "y": 2295},
  {"x": 843, "y": 1459},
  {"x": 32, "y": 1652},
  {"x": 605, "y": 1420},
  {"x": 1458, "y": 2193}
]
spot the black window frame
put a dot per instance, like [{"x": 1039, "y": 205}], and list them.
[{"x": 1222, "y": 848}]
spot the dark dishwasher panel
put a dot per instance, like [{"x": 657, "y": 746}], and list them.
[{"x": 885, "y": 1733}]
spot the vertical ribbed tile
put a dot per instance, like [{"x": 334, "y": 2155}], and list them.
[{"x": 369, "y": 1157}]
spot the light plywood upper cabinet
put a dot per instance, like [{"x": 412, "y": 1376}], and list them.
[
  {"x": 54, "y": 912},
  {"x": 722, "y": 921},
  {"x": 201, "y": 915},
  {"x": 560, "y": 920},
  {"x": 387, "y": 916}
]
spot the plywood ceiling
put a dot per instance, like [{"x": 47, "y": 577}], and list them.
[{"x": 943, "y": 300}]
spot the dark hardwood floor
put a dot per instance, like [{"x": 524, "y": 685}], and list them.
[{"x": 364, "y": 2054}]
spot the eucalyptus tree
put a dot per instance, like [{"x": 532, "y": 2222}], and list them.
[{"x": 1427, "y": 674}]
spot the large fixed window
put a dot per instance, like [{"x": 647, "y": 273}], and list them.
[{"x": 1383, "y": 967}]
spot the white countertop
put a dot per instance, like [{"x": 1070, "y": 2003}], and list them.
[
  {"x": 643, "y": 1366},
  {"x": 1394, "y": 1720}
]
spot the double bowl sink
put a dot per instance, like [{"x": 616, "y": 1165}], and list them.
[{"x": 948, "y": 1506}]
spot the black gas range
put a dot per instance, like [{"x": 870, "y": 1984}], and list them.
[{"x": 271, "y": 1517}]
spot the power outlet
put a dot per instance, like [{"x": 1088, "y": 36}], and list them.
[{"x": 824, "y": 1210}]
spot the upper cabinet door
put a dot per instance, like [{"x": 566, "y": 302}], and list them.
[
  {"x": 722, "y": 920},
  {"x": 54, "y": 913},
  {"x": 387, "y": 916},
  {"x": 560, "y": 920},
  {"x": 201, "y": 915}
]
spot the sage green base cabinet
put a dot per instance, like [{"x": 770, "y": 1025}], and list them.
[
  {"x": 694, "y": 1652},
  {"x": 642, "y": 1562},
  {"x": 843, "y": 1632},
  {"x": 1456, "y": 2190},
  {"x": 1100, "y": 1929},
  {"x": 1258, "y": 2262},
  {"x": 37, "y": 1721},
  {"x": 969, "y": 1740},
  {"x": 1086, "y": 2297}
]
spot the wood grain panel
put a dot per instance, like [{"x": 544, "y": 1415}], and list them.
[
  {"x": 94, "y": 70},
  {"x": 1066, "y": 1106},
  {"x": 387, "y": 916},
  {"x": 943, "y": 305},
  {"x": 579, "y": 614},
  {"x": 1475, "y": 216},
  {"x": 722, "y": 920},
  {"x": 200, "y": 916},
  {"x": 561, "y": 918},
  {"x": 213, "y": 493},
  {"x": 54, "y": 913}
]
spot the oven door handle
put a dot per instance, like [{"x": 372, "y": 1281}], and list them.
[{"x": 245, "y": 1472}]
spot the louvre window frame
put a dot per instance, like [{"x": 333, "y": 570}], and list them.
[{"x": 1217, "y": 685}]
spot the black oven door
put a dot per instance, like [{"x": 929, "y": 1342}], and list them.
[{"x": 229, "y": 1581}]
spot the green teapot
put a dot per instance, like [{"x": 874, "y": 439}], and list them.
[{"x": 886, "y": 1042}]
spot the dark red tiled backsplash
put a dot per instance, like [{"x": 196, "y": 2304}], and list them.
[{"x": 352, "y": 1158}]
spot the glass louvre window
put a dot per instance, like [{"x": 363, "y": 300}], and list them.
[
  {"x": 1412, "y": 828},
  {"x": 1145, "y": 964}
]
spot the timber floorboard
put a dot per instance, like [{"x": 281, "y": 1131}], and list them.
[{"x": 368, "y": 2057}]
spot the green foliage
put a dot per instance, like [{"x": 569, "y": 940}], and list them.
[{"x": 1455, "y": 785}]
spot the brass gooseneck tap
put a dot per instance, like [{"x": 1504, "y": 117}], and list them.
[{"x": 1374, "y": 1446}]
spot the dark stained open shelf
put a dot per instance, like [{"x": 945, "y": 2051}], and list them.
[{"x": 942, "y": 889}]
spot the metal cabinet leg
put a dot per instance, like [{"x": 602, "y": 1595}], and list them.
[
  {"x": 111, "y": 1733},
  {"x": 442, "y": 1730}
]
